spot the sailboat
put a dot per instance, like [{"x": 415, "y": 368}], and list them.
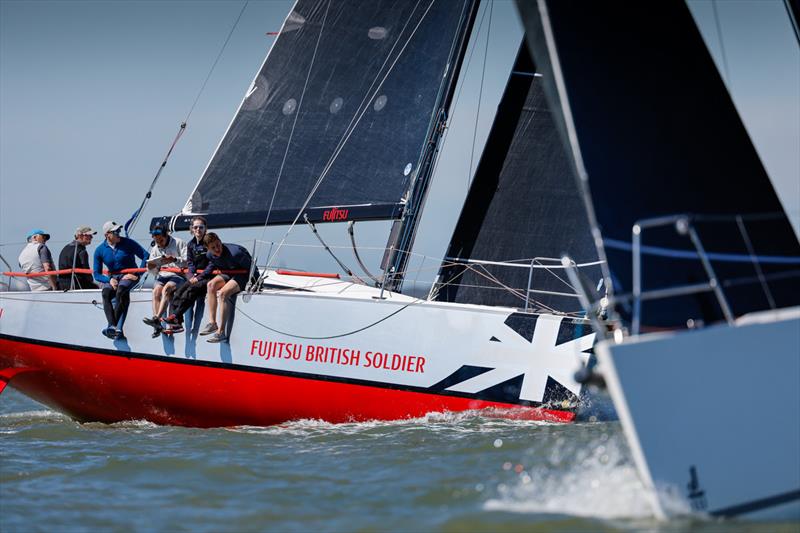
[
  {"x": 342, "y": 125},
  {"x": 701, "y": 347}
]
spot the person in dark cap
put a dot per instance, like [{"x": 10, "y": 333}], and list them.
[
  {"x": 117, "y": 253},
  {"x": 167, "y": 254},
  {"x": 74, "y": 255},
  {"x": 35, "y": 258}
]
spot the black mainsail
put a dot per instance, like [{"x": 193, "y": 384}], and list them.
[
  {"x": 651, "y": 129},
  {"x": 336, "y": 122},
  {"x": 523, "y": 206}
]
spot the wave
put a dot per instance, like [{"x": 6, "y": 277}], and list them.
[
  {"x": 595, "y": 479},
  {"x": 465, "y": 421}
]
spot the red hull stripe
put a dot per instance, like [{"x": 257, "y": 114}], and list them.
[
  {"x": 309, "y": 274},
  {"x": 89, "y": 385}
]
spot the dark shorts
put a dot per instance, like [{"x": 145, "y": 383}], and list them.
[
  {"x": 177, "y": 280},
  {"x": 240, "y": 279}
]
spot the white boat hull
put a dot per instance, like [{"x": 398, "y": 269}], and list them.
[
  {"x": 713, "y": 415},
  {"x": 331, "y": 332}
]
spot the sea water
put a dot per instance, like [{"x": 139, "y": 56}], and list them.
[{"x": 442, "y": 472}]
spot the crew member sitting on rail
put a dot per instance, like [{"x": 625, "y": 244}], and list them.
[
  {"x": 224, "y": 257},
  {"x": 188, "y": 293},
  {"x": 74, "y": 255},
  {"x": 167, "y": 252},
  {"x": 116, "y": 253},
  {"x": 36, "y": 257}
]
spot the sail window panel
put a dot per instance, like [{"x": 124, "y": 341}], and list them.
[{"x": 374, "y": 83}]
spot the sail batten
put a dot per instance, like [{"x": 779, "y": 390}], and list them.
[{"x": 337, "y": 115}]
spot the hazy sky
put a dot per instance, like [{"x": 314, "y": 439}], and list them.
[
  {"x": 758, "y": 56},
  {"x": 92, "y": 93}
]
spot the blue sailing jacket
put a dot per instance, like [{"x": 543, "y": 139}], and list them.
[{"x": 121, "y": 256}]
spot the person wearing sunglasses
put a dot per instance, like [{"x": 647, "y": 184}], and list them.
[
  {"x": 117, "y": 253},
  {"x": 195, "y": 289},
  {"x": 74, "y": 255}
]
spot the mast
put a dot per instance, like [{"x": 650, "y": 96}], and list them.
[{"x": 404, "y": 230}]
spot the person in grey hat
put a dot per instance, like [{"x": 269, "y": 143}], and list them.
[
  {"x": 35, "y": 258},
  {"x": 74, "y": 255}
]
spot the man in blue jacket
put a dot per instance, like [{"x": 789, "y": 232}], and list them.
[
  {"x": 116, "y": 253},
  {"x": 234, "y": 261}
]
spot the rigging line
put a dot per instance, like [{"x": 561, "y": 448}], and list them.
[
  {"x": 351, "y": 231},
  {"x": 721, "y": 42},
  {"x": 131, "y": 223},
  {"x": 327, "y": 168},
  {"x": 469, "y": 59},
  {"x": 756, "y": 266},
  {"x": 364, "y": 104},
  {"x": 454, "y": 105},
  {"x": 559, "y": 278},
  {"x": 214, "y": 65},
  {"x": 327, "y": 249},
  {"x": 366, "y": 99},
  {"x": 341, "y": 141},
  {"x": 3, "y": 259},
  {"x": 368, "y": 326},
  {"x": 488, "y": 275},
  {"x": 296, "y": 117},
  {"x": 480, "y": 93}
]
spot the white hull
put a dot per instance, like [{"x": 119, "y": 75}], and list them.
[
  {"x": 721, "y": 402},
  {"x": 337, "y": 331}
]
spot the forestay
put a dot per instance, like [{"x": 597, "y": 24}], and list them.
[{"x": 344, "y": 100}]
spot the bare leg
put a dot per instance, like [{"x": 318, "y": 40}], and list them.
[
  {"x": 169, "y": 290},
  {"x": 225, "y": 294},
  {"x": 213, "y": 286},
  {"x": 157, "y": 291}
]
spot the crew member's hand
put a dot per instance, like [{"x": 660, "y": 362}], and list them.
[
  {"x": 130, "y": 277},
  {"x": 193, "y": 280},
  {"x": 114, "y": 282}
]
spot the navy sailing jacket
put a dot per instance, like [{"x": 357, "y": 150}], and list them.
[
  {"x": 233, "y": 257},
  {"x": 196, "y": 258}
]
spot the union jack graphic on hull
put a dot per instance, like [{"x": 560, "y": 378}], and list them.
[{"x": 294, "y": 355}]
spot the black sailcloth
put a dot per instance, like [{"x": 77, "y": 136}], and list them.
[
  {"x": 655, "y": 133},
  {"x": 523, "y": 204},
  {"x": 347, "y": 92}
]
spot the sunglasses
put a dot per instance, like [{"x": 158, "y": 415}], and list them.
[{"x": 198, "y": 227}]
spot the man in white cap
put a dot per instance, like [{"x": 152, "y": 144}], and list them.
[
  {"x": 117, "y": 253},
  {"x": 74, "y": 255},
  {"x": 35, "y": 258}
]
